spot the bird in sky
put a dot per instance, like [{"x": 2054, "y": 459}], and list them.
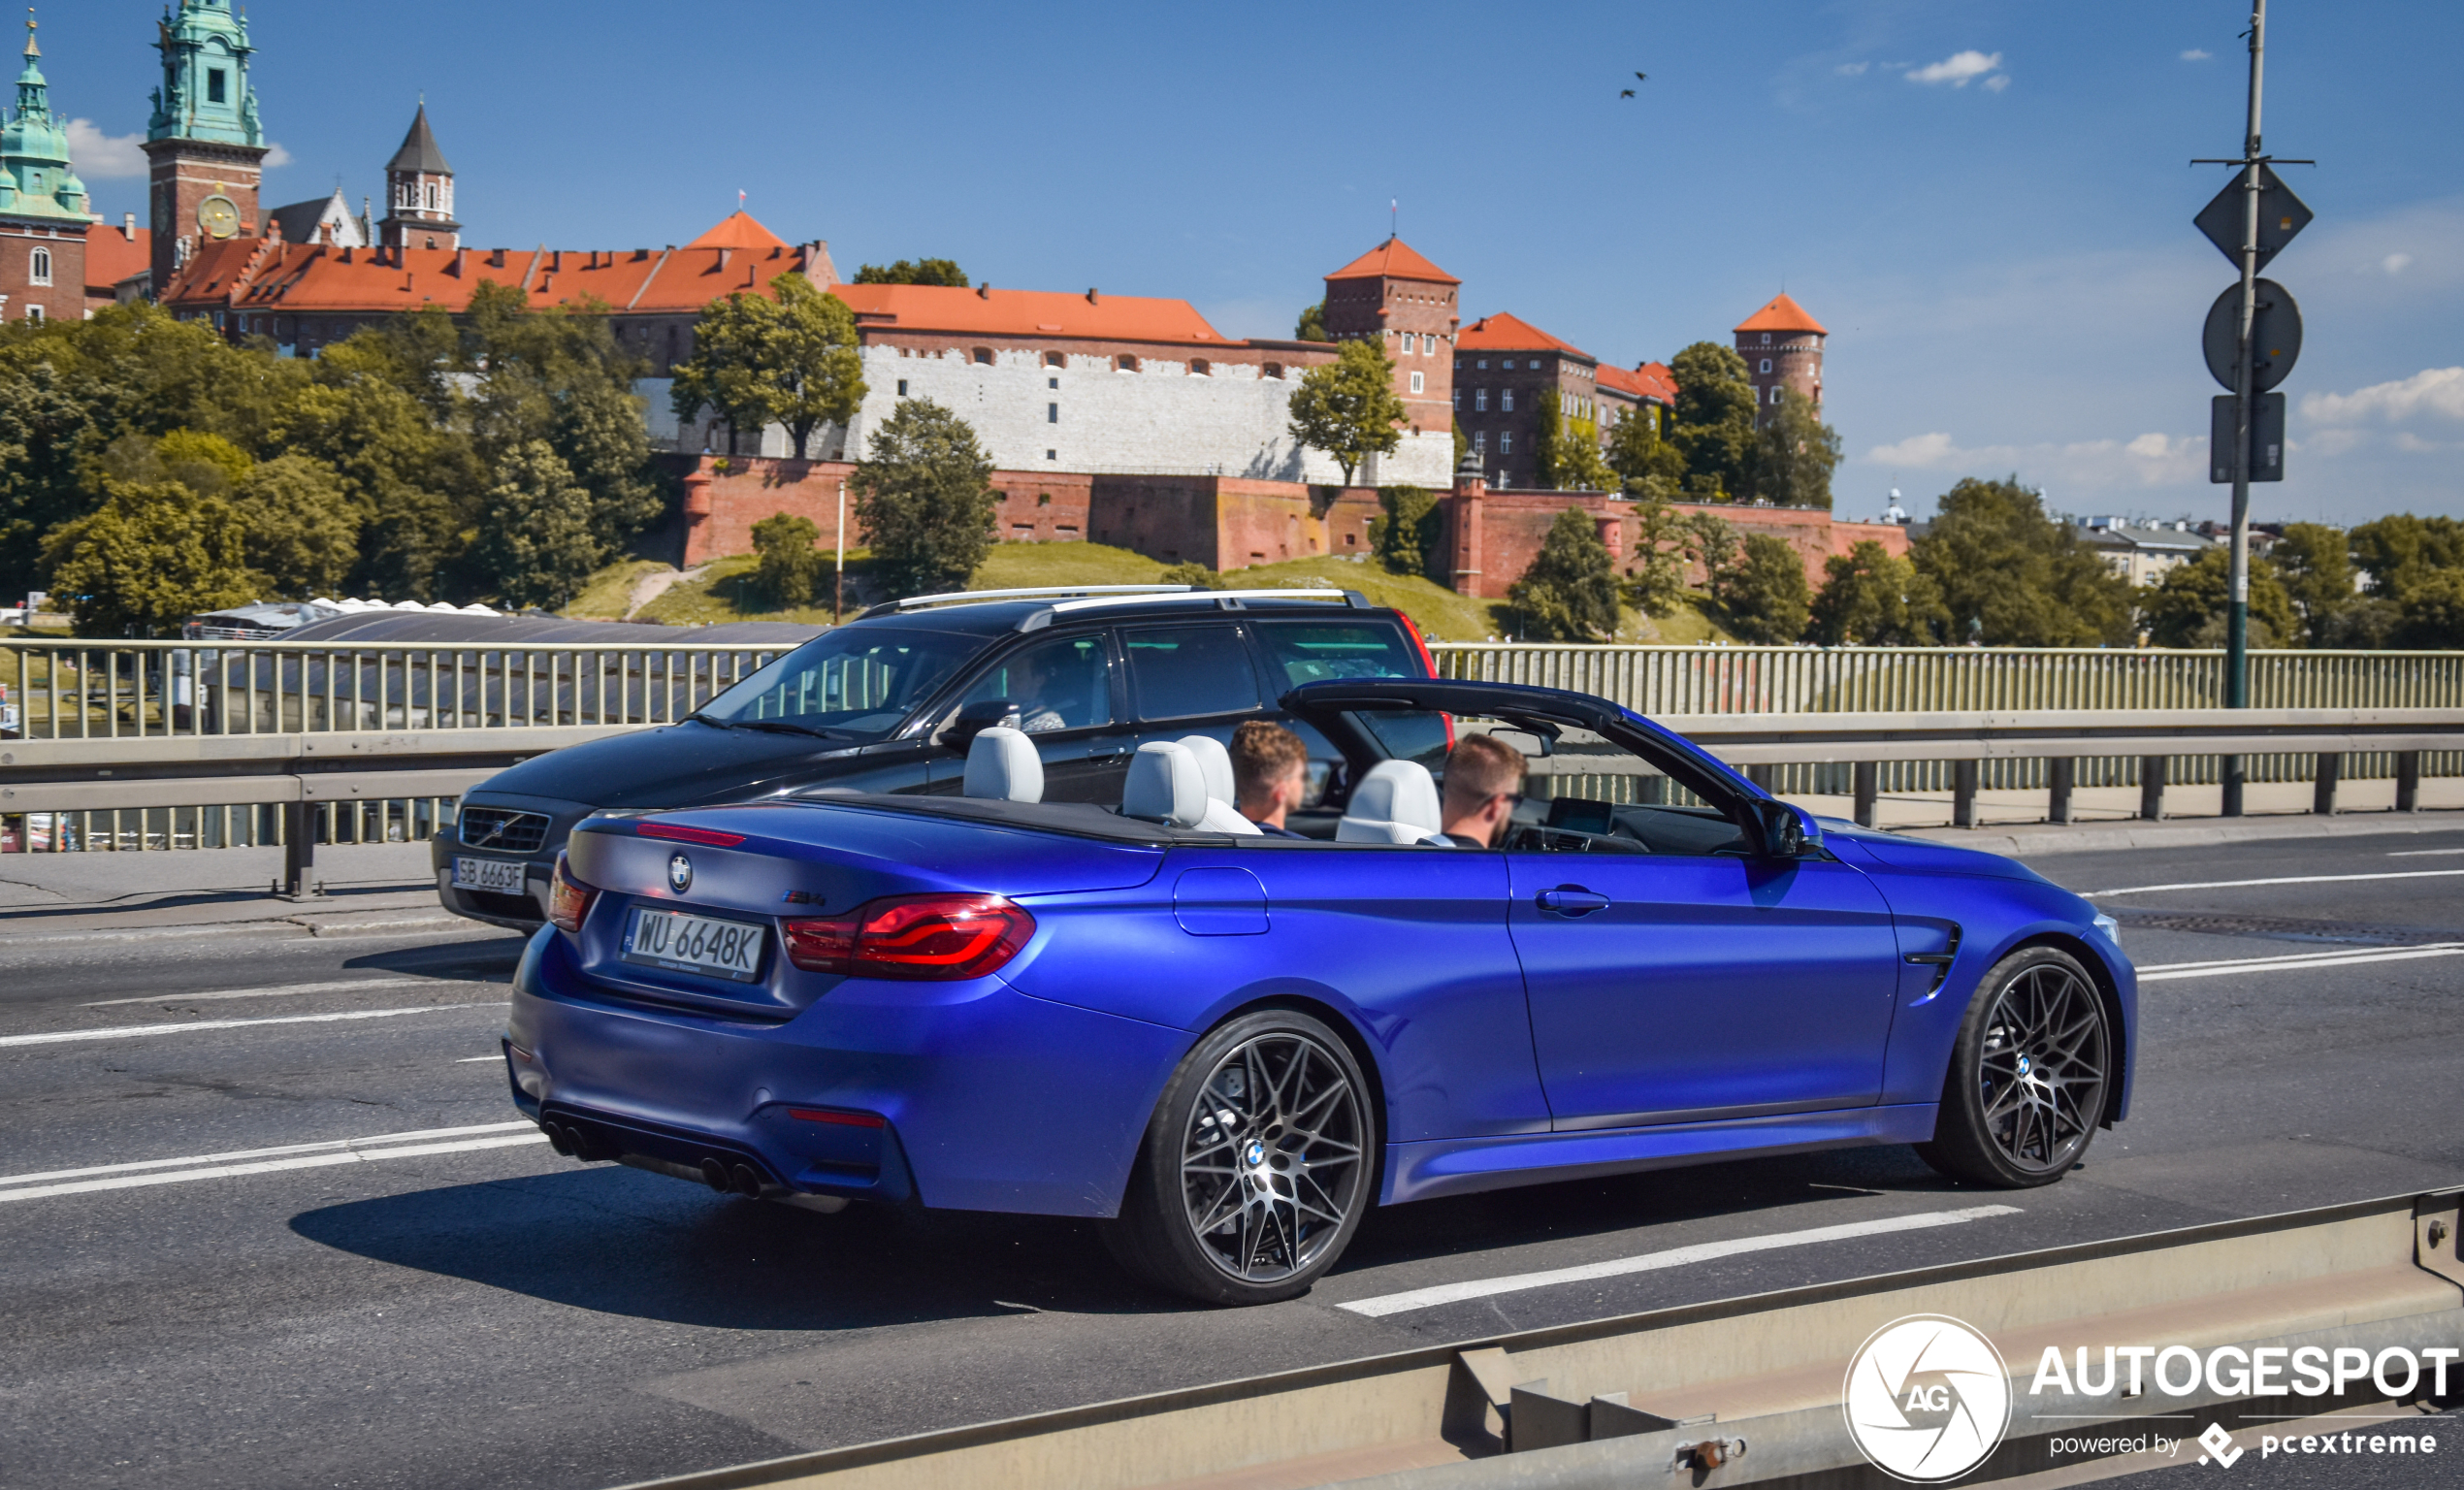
[{"x": 1629, "y": 92}]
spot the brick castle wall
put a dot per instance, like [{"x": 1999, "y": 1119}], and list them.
[{"x": 1515, "y": 524}]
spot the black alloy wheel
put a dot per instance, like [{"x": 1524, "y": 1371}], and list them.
[
  {"x": 2031, "y": 1076},
  {"x": 1256, "y": 1167}
]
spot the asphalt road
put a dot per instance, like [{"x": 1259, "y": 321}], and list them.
[{"x": 463, "y": 1308}]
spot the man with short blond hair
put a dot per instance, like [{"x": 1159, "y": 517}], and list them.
[
  {"x": 1269, "y": 775},
  {"x": 1483, "y": 785}
]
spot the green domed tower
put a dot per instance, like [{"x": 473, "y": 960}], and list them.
[
  {"x": 43, "y": 216},
  {"x": 204, "y": 139}
]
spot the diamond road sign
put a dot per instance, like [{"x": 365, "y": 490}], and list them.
[
  {"x": 2281, "y": 215},
  {"x": 2275, "y": 334}
]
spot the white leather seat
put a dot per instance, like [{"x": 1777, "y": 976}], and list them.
[
  {"x": 1002, "y": 765},
  {"x": 1214, "y": 762},
  {"x": 1166, "y": 785},
  {"x": 1396, "y": 803}
]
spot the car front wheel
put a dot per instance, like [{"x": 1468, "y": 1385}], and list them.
[
  {"x": 1256, "y": 1167},
  {"x": 2030, "y": 1078}
]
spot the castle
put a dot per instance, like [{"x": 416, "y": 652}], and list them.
[{"x": 1122, "y": 419}]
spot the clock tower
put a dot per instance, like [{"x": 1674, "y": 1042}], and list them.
[{"x": 204, "y": 140}]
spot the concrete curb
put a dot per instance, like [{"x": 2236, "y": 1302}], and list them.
[
  {"x": 2029, "y": 841},
  {"x": 292, "y": 926}
]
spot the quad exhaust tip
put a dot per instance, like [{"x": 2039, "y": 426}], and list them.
[
  {"x": 747, "y": 1183},
  {"x": 560, "y": 1138},
  {"x": 714, "y": 1173}
]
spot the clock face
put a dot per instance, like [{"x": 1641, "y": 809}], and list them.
[{"x": 219, "y": 216}]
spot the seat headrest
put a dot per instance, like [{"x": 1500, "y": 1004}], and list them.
[
  {"x": 1002, "y": 765},
  {"x": 1216, "y": 762},
  {"x": 1165, "y": 785},
  {"x": 1398, "y": 792}
]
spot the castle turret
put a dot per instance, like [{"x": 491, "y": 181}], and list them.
[
  {"x": 1783, "y": 348},
  {"x": 419, "y": 193}
]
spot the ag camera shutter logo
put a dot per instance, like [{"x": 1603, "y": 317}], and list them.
[{"x": 1927, "y": 1399}]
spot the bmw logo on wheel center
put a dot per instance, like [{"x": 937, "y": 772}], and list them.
[
  {"x": 1927, "y": 1399},
  {"x": 679, "y": 873}
]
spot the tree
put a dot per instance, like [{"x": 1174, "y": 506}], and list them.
[
  {"x": 1347, "y": 407},
  {"x": 45, "y": 427},
  {"x": 208, "y": 465},
  {"x": 2022, "y": 579},
  {"x": 1192, "y": 573},
  {"x": 725, "y": 374},
  {"x": 151, "y": 556},
  {"x": 924, "y": 498},
  {"x": 1565, "y": 457},
  {"x": 1407, "y": 530},
  {"x": 789, "y": 573},
  {"x": 2398, "y": 550},
  {"x": 1794, "y": 455},
  {"x": 1658, "y": 571},
  {"x": 418, "y": 487},
  {"x": 810, "y": 358},
  {"x": 2186, "y": 608},
  {"x": 921, "y": 272},
  {"x": 2314, "y": 562},
  {"x": 1312, "y": 325},
  {"x": 1872, "y": 597},
  {"x": 1462, "y": 443},
  {"x": 1711, "y": 541},
  {"x": 1569, "y": 592},
  {"x": 537, "y": 539},
  {"x": 1713, "y": 427},
  {"x": 2432, "y": 613},
  {"x": 1640, "y": 457},
  {"x": 1765, "y": 596},
  {"x": 302, "y": 531}
]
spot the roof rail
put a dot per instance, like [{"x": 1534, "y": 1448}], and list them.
[
  {"x": 1037, "y": 592},
  {"x": 1225, "y": 600}
]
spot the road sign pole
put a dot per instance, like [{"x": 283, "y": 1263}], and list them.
[{"x": 2237, "y": 614}]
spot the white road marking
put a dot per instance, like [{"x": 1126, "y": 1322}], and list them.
[
  {"x": 2294, "y": 879},
  {"x": 345, "y": 985},
  {"x": 2422, "y": 852},
  {"x": 237, "y": 1155},
  {"x": 267, "y": 1166},
  {"x": 2343, "y": 959},
  {"x": 475, "y": 1059},
  {"x": 1675, "y": 1257},
  {"x": 138, "y": 1031}
]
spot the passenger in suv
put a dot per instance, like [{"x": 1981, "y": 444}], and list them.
[{"x": 889, "y": 702}]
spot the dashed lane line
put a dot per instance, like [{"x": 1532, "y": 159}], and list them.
[
  {"x": 341, "y": 986},
  {"x": 140, "y": 1031},
  {"x": 2280, "y": 965},
  {"x": 268, "y": 1166},
  {"x": 286, "y": 1151},
  {"x": 2291, "y": 879},
  {"x": 1674, "y": 1258}
]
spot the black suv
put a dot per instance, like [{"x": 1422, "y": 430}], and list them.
[{"x": 890, "y": 701}]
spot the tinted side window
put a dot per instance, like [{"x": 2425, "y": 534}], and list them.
[
  {"x": 1181, "y": 672},
  {"x": 1061, "y": 684},
  {"x": 1309, "y": 652}
]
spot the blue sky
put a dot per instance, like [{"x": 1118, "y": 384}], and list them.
[{"x": 1988, "y": 203}]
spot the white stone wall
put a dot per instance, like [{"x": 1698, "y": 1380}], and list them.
[{"x": 1161, "y": 418}]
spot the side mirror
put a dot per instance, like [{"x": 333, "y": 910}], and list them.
[
  {"x": 1787, "y": 831},
  {"x": 975, "y": 718}
]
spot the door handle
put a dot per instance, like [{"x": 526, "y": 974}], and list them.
[{"x": 1571, "y": 901}]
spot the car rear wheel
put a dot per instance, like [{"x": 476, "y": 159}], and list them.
[
  {"x": 2030, "y": 1078},
  {"x": 1256, "y": 1167}
]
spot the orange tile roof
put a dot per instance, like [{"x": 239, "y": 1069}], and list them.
[
  {"x": 1649, "y": 380},
  {"x": 112, "y": 257},
  {"x": 1393, "y": 259},
  {"x": 1782, "y": 314},
  {"x": 739, "y": 230},
  {"x": 1503, "y": 333},
  {"x": 255, "y": 275},
  {"x": 1026, "y": 313}
]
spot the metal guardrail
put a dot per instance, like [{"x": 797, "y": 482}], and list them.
[{"x": 1749, "y": 1390}]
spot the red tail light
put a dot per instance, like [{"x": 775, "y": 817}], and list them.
[
  {"x": 678, "y": 833},
  {"x": 918, "y": 938},
  {"x": 568, "y": 899}
]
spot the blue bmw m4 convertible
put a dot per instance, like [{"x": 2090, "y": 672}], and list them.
[{"x": 1229, "y": 1044}]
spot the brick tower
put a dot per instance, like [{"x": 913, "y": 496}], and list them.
[
  {"x": 43, "y": 216},
  {"x": 1783, "y": 348},
  {"x": 204, "y": 140},
  {"x": 419, "y": 193},
  {"x": 1410, "y": 305}
]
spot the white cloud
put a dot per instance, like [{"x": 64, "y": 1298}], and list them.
[
  {"x": 276, "y": 157},
  {"x": 2395, "y": 263},
  {"x": 1997, "y": 83},
  {"x": 1852, "y": 69},
  {"x": 2434, "y": 391},
  {"x": 2148, "y": 460},
  {"x": 1959, "y": 69},
  {"x": 99, "y": 156},
  {"x": 2196, "y": 54}
]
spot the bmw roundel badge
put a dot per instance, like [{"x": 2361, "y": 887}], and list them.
[{"x": 679, "y": 873}]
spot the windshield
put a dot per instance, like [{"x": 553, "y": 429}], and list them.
[{"x": 855, "y": 683}]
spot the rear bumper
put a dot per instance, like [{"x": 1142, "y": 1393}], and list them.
[{"x": 987, "y": 1100}]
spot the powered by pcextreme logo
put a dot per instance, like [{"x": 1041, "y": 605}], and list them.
[{"x": 1927, "y": 1398}]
